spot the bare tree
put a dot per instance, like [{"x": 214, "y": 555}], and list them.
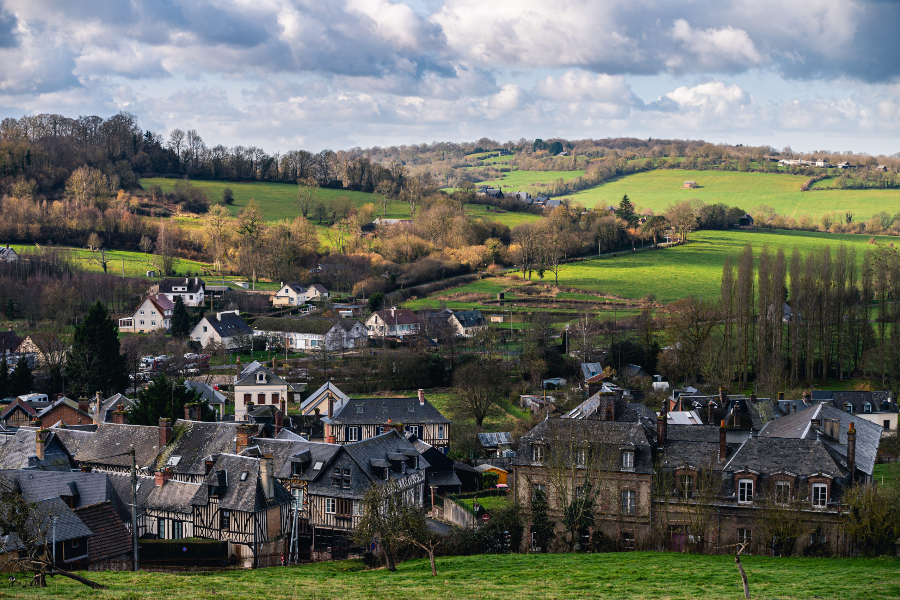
[
  {"x": 307, "y": 195},
  {"x": 478, "y": 390}
]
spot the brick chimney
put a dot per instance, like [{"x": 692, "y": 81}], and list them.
[
  {"x": 723, "y": 445},
  {"x": 723, "y": 398},
  {"x": 607, "y": 408},
  {"x": 737, "y": 415},
  {"x": 162, "y": 477},
  {"x": 267, "y": 475},
  {"x": 191, "y": 412},
  {"x": 209, "y": 465},
  {"x": 242, "y": 439},
  {"x": 807, "y": 398},
  {"x": 98, "y": 405},
  {"x": 120, "y": 417},
  {"x": 330, "y": 407},
  {"x": 86, "y": 468},
  {"x": 40, "y": 441},
  {"x": 661, "y": 429},
  {"x": 279, "y": 422},
  {"x": 421, "y": 397},
  {"x": 165, "y": 432},
  {"x": 851, "y": 452},
  {"x": 83, "y": 405},
  {"x": 780, "y": 396},
  {"x": 710, "y": 410}
]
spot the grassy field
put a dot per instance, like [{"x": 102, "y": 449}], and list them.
[
  {"x": 488, "y": 502},
  {"x": 695, "y": 268},
  {"x": 136, "y": 264},
  {"x": 514, "y": 180},
  {"x": 659, "y": 189},
  {"x": 627, "y": 575},
  {"x": 442, "y": 399},
  {"x": 887, "y": 472},
  {"x": 276, "y": 200},
  {"x": 510, "y": 219}
]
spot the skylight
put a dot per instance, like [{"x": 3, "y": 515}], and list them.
[
  {"x": 243, "y": 475},
  {"x": 173, "y": 461},
  {"x": 318, "y": 465}
]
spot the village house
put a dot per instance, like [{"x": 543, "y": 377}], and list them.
[
  {"x": 191, "y": 289},
  {"x": 393, "y": 323},
  {"x": 257, "y": 386},
  {"x": 875, "y": 407},
  {"x": 72, "y": 535},
  {"x": 154, "y": 313},
  {"x": 312, "y": 333},
  {"x": 290, "y": 294},
  {"x": 65, "y": 410},
  {"x": 317, "y": 402},
  {"x": 44, "y": 347},
  {"x": 8, "y": 254},
  {"x": 226, "y": 328},
  {"x": 467, "y": 323},
  {"x": 361, "y": 419}
]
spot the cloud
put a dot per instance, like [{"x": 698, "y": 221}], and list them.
[{"x": 713, "y": 50}]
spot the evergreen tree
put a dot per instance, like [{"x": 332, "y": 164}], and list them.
[
  {"x": 626, "y": 210},
  {"x": 95, "y": 362},
  {"x": 181, "y": 320},
  {"x": 21, "y": 380},
  {"x": 541, "y": 525},
  {"x": 165, "y": 399},
  {"x": 4, "y": 378}
]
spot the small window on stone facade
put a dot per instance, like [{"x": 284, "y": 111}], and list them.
[{"x": 745, "y": 491}]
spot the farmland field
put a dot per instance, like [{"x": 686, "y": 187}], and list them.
[
  {"x": 626, "y": 575},
  {"x": 510, "y": 219},
  {"x": 516, "y": 180},
  {"x": 136, "y": 263},
  {"x": 658, "y": 189},
  {"x": 276, "y": 200}
]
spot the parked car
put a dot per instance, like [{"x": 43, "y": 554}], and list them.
[{"x": 191, "y": 356}]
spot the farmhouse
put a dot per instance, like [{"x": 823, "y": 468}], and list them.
[
  {"x": 8, "y": 254},
  {"x": 154, "y": 313},
  {"x": 191, "y": 289},
  {"x": 313, "y": 333},
  {"x": 226, "y": 328}
]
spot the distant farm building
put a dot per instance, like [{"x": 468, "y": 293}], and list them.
[{"x": 689, "y": 185}]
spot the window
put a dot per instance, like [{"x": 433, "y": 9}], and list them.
[
  {"x": 330, "y": 505},
  {"x": 346, "y": 480},
  {"x": 867, "y": 408},
  {"x": 848, "y": 407},
  {"x": 359, "y": 409},
  {"x": 819, "y": 495},
  {"x": 538, "y": 488},
  {"x": 580, "y": 456},
  {"x": 142, "y": 321},
  {"x": 225, "y": 520},
  {"x": 744, "y": 536},
  {"x": 296, "y": 468},
  {"x": 686, "y": 486},
  {"x": 274, "y": 397},
  {"x": 336, "y": 477},
  {"x": 887, "y": 425},
  {"x": 440, "y": 434},
  {"x": 76, "y": 543},
  {"x": 379, "y": 430},
  {"x": 344, "y": 507},
  {"x": 142, "y": 312},
  {"x": 537, "y": 452},
  {"x": 745, "y": 491},
  {"x": 628, "y": 502},
  {"x": 413, "y": 429},
  {"x": 204, "y": 329},
  {"x": 353, "y": 434},
  {"x": 177, "y": 530},
  {"x": 260, "y": 398},
  {"x": 153, "y": 322},
  {"x": 161, "y": 528},
  {"x": 782, "y": 492},
  {"x": 248, "y": 398},
  {"x": 152, "y": 312},
  {"x": 628, "y": 460}
]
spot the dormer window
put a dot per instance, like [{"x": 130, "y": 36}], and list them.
[
  {"x": 782, "y": 493},
  {"x": 745, "y": 491},
  {"x": 260, "y": 378},
  {"x": 848, "y": 407},
  {"x": 628, "y": 459},
  {"x": 867, "y": 408},
  {"x": 538, "y": 452},
  {"x": 359, "y": 409},
  {"x": 819, "y": 495}
]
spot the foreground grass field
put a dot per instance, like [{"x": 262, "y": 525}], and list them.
[
  {"x": 695, "y": 268},
  {"x": 658, "y": 189},
  {"x": 631, "y": 575}
]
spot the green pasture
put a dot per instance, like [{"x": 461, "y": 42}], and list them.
[
  {"x": 488, "y": 502},
  {"x": 659, "y": 189},
  {"x": 614, "y": 575},
  {"x": 516, "y": 180},
  {"x": 276, "y": 200},
  {"x": 889, "y": 473},
  {"x": 510, "y": 219},
  {"x": 694, "y": 269},
  {"x": 136, "y": 264}
]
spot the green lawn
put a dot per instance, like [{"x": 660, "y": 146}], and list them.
[
  {"x": 515, "y": 180},
  {"x": 658, "y": 189},
  {"x": 442, "y": 400},
  {"x": 276, "y": 200},
  {"x": 627, "y": 575},
  {"x": 510, "y": 219},
  {"x": 136, "y": 264},
  {"x": 887, "y": 472},
  {"x": 695, "y": 268},
  {"x": 488, "y": 502}
]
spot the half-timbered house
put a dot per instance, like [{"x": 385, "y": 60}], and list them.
[{"x": 358, "y": 420}]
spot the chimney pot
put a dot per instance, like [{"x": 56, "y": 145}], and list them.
[
  {"x": 162, "y": 477},
  {"x": 723, "y": 446},
  {"x": 267, "y": 474},
  {"x": 120, "y": 417},
  {"x": 165, "y": 432},
  {"x": 421, "y": 397},
  {"x": 851, "y": 452},
  {"x": 243, "y": 438}
]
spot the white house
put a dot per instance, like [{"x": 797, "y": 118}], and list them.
[
  {"x": 317, "y": 291},
  {"x": 226, "y": 328},
  {"x": 319, "y": 400},
  {"x": 191, "y": 289},
  {"x": 467, "y": 323},
  {"x": 393, "y": 323},
  {"x": 8, "y": 254},
  {"x": 290, "y": 294},
  {"x": 155, "y": 312},
  {"x": 313, "y": 333},
  {"x": 258, "y": 385}
]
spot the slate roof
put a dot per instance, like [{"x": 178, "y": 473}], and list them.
[
  {"x": 694, "y": 454},
  {"x": 319, "y": 288},
  {"x": 245, "y": 495},
  {"x": 206, "y": 392},
  {"x": 400, "y": 316},
  {"x": 111, "y": 445},
  {"x": 381, "y": 447},
  {"x": 295, "y": 287},
  {"x": 379, "y": 410},
  {"x": 177, "y": 496},
  {"x": 85, "y": 488},
  {"x": 108, "y": 406},
  {"x": 469, "y": 318},
  {"x": 68, "y": 525},
  {"x": 495, "y": 440},
  {"x": 877, "y": 400},
  {"x": 248, "y": 376},
  {"x": 228, "y": 324},
  {"x": 609, "y": 434},
  {"x": 589, "y": 370},
  {"x": 72, "y": 439},
  {"x": 311, "y": 325},
  {"x": 769, "y": 455},
  {"x": 18, "y": 451},
  {"x": 553, "y": 203},
  {"x": 287, "y": 452},
  {"x": 442, "y": 478},
  {"x": 193, "y": 442},
  {"x": 328, "y": 387},
  {"x": 193, "y": 285},
  {"x": 799, "y": 426},
  {"x": 111, "y": 538}
]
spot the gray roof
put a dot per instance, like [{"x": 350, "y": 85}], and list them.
[
  {"x": 768, "y": 455},
  {"x": 495, "y": 440},
  {"x": 469, "y": 318},
  {"x": 111, "y": 445},
  {"x": 287, "y": 452},
  {"x": 206, "y": 392},
  {"x": 326, "y": 388},
  {"x": 553, "y": 203},
  {"x": 296, "y": 288},
  {"x": 173, "y": 495},
  {"x": 84, "y": 488},
  {"x": 228, "y": 324},
  {"x": 68, "y": 525},
  {"x": 193, "y": 285},
  {"x": 72, "y": 439},
  {"x": 19, "y": 451},
  {"x": 588, "y": 370},
  {"x": 109, "y": 405},
  {"x": 800, "y": 426},
  {"x": 379, "y": 410},
  {"x": 694, "y": 454},
  {"x": 389, "y": 445},
  {"x": 443, "y": 478},
  {"x": 248, "y": 375},
  {"x": 243, "y": 492},
  {"x": 878, "y": 401},
  {"x": 194, "y": 441}
]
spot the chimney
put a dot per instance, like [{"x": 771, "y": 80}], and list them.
[
  {"x": 165, "y": 432},
  {"x": 191, "y": 412},
  {"x": 392, "y": 311},
  {"x": 661, "y": 429},
  {"x": 162, "y": 477},
  {"x": 330, "y": 407},
  {"x": 279, "y": 422},
  {"x": 807, "y": 397},
  {"x": 266, "y": 474},
  {"x": 120, "y": 417},
  {"x": 83, "y": 405},
  {"x": 737, "y": 415},
  {"x": 851, "y": 452},
  {"x": 723, "y": 447},
  {"x": 607, "y": 407},
  {"x": 243, "y": 438},
  {"x": 752, "y": 398},
  {"x": 780, "y": 396},
  {"x": 709, "y": 412},
  {"x": 421, "y": 397},
  {"x": 40, "y": 441},
  {"x": 85, "y": 468},
  {"x": 196, "y": 281},
  {"x": 723, "y": 399},
  {"x": 98, "y": 405},
  {"x": 187, "y": 280},
  {"x": 209, "y": 465}
]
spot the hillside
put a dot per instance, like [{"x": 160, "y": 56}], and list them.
[
  {"x": 658, "y": 189},
  {"x": 629, "y": 575}
]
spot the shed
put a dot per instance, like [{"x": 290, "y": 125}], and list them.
[
  {"x": 501, "y": 473},
  {"x": 689, "y": 185}
]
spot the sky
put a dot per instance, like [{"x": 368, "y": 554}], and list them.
[{"x": 316, "y": 74}]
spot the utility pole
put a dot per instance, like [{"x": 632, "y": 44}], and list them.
[{"x": 134, "y": 535}]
